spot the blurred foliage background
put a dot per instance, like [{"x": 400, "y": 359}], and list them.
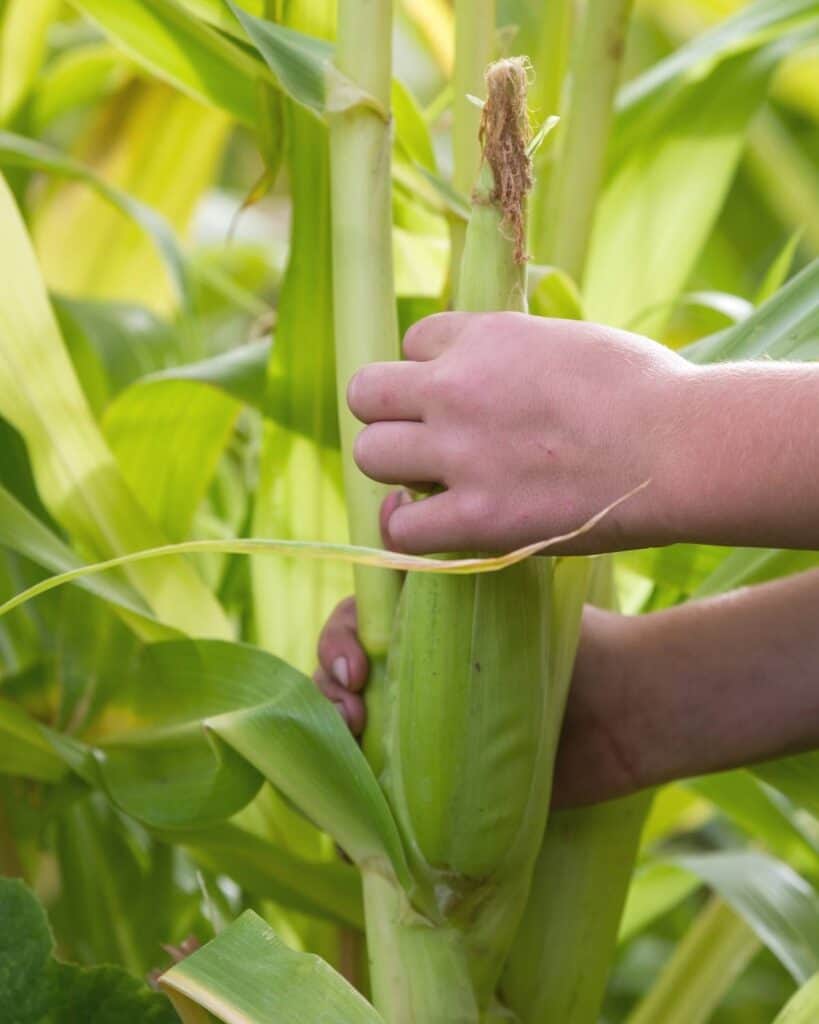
[{"x": 187, "y": 389}]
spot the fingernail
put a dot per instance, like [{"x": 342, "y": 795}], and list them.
[
  {"x": 341, "y": 709},
  {"x": 341, "y": 672}
]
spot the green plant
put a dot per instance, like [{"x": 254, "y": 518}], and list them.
[{"x": 167, "y": 767}]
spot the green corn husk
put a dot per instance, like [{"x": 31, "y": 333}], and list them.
[{"x": 479, "y": 666}]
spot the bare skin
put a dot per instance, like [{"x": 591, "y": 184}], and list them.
[
  {"x": 527, "y": 428},
  {"x": 533, "y": 426},
  {"x": 704, "y": 687}
]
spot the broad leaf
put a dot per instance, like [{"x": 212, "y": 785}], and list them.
[
  {"x": 804, "y": 1007},
  {"x": 248, "y": 976},
  {"x": 34, "y": 987},
  {"x": 779, "y": 905},
  {"x": 77, "y": 477},
  {"x": 328, "y": 889},
  {"x": 169, "y": 42}
]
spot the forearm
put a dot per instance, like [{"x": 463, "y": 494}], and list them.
[
  {"x": 722, "y": 683},
  {"x": 746, "y": 467}
]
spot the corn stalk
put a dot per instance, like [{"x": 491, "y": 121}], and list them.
[{"x": 366, "y": 319}]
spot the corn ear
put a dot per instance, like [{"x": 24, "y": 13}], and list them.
[{"x": 478, "y": 672}]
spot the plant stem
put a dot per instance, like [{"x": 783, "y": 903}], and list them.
[
  {"x": 366, "y": 319},
  {"x": 474, "y": 50},
  {"x": 580, "y": 168}
]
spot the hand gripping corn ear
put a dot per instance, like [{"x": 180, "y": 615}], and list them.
[{"x": 479, "y": 666}]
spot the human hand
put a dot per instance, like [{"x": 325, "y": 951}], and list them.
[{"x": 532, "y": 426}]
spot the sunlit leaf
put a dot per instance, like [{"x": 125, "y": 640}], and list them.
[{"x": 248, "y": 976}]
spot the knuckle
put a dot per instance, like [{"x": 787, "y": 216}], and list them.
[
  {"x": 327, "y": 647},
  {"x": 402, "y": 532},
  {"x": 445, "y": 381},
  {"x": 413, "y": 338},
  {"x": 363, "y": 448},
  {"x": 354, "y": 391},
  {"x": 474, "y": 508}
]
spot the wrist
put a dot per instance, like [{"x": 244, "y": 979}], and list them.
[{"x": 735, "y": 472}]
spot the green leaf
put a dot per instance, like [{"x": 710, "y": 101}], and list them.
[
  {"x": 667, "y": 189},
  {"x": 113, "y": 344},
  {"x": 75, "y": 79},
  {"x": 23, "y": 533},
  {"x": 804, "y": 1007},
  {"x": 209, "y": 720},
  {"x": 76, "y": 475},
  {"x": 34, "y": 987},
  {"x": 23, "y": 152},
  {"x": 796, "y": 778},
  {"x": 778, "y": 904},
  {"x": 303, "y": 66},
  {"x": 240, "y": 373},
  {"x": 328, "y": 889},
  {"x": 24, "y": 747},
  {"x": 656, "y": 889},
  {"x": 644, "y": 100},
  {"x": 300, "y": 495},
  {"x": 713, "y": 953},
  {"x": 168, "y": 437},
  {"x": 162, "y": 37},
  {"x": 23, "y": 28},
  {"x": 553, "y": 293},
  {"x": 763, "y": 815},
  {"x": 784, "y": 327},
  {"x": 780, "y": 268},
  {"x": 25, "y": 951},
  {"x": 411, "y": 129},
  {"x": 248, "y": 976}
]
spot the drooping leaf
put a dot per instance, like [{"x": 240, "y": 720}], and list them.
[
  {"x": 22, "y": 532},
  {"x": 756, "y": 809},
  {"x": 76, "y": 475},
  {"x": 24, "y": 748},
  {"x": 778, "y": 904},
  {"x": 240, "y": 372},
  {"x": 20, "y": 151},
  {"x": 248, "y": 976},
  {"x": 161, "y": 149},
  {"x": 303, "y": 66},
  {"x": 327, "y": 889},
  {"x": 184, "y": 51},
  {"x": 208, "y": 720}
]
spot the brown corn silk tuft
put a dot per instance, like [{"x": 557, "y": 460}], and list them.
[{"x": 505, "y": 135}]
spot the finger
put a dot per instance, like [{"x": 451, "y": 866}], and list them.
[
  {"x": 430, "y": 337},
  {"x": 341, "y": 655},
  {"x": 398, "y": 453},
  {"x": 386, "y": 391},
  {"x": 349, "y": 706},
  {"x": 442, "y": 522}
]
